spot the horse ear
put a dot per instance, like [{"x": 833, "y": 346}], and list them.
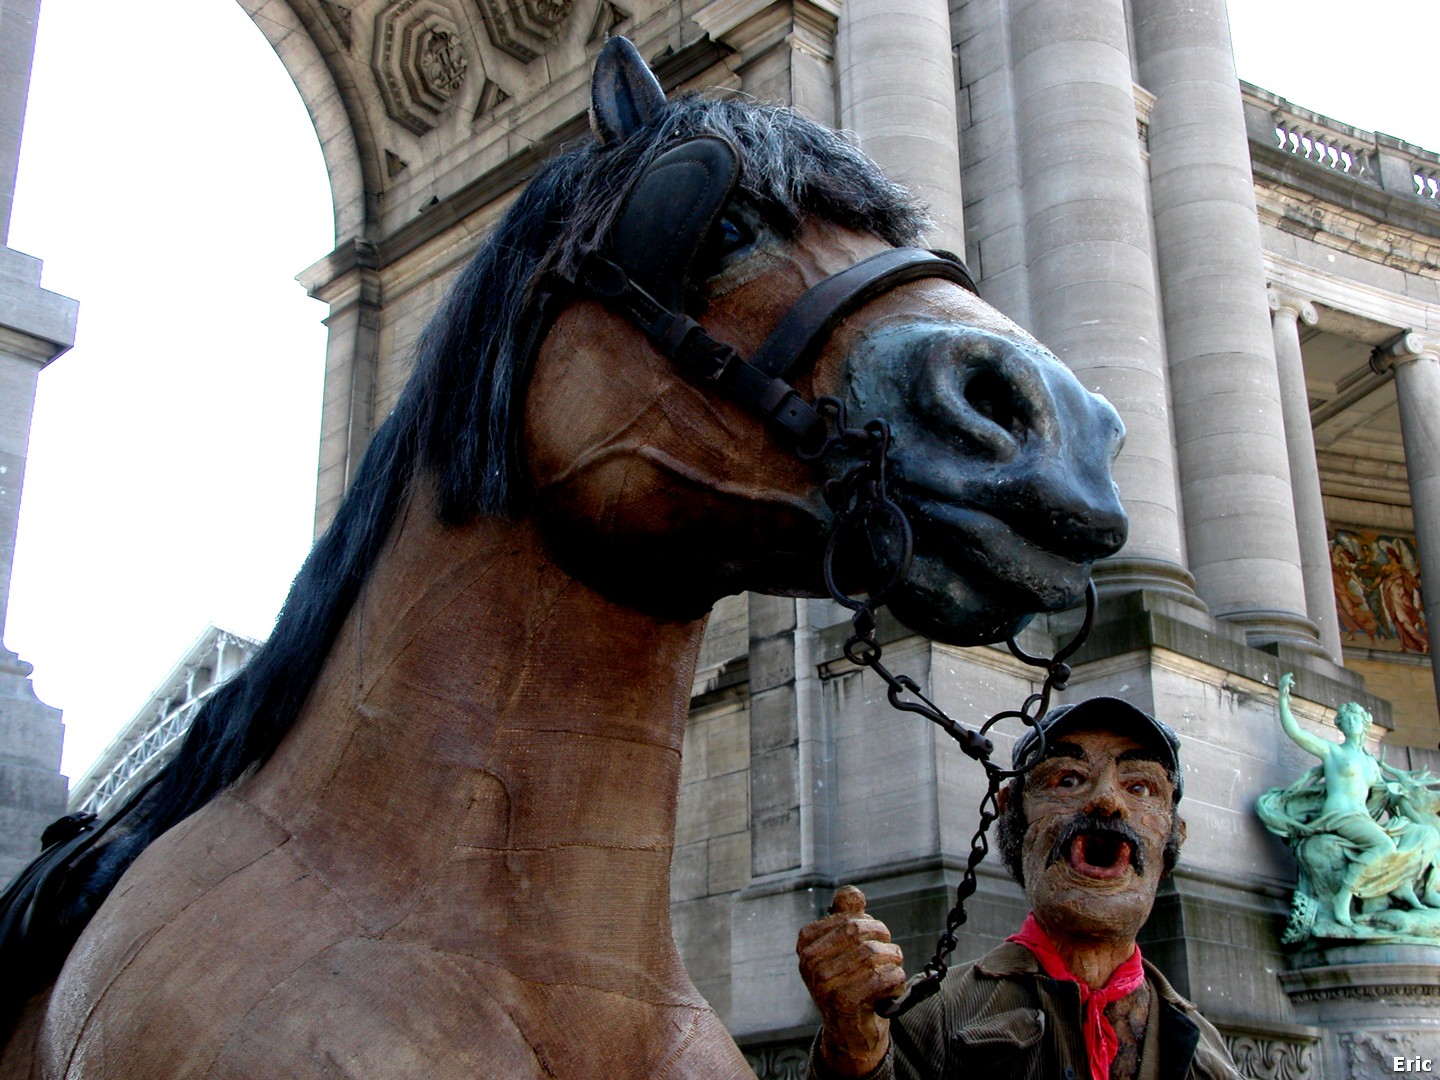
[{"x": 624, "y": 94}]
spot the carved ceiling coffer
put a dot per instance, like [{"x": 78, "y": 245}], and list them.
[
  {"x": 523, "y": 28},
  {"x": 420, "y": 61}
]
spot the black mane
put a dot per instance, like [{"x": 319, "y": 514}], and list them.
[{"x": 457, "y": 421}]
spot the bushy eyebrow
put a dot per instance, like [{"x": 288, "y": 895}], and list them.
[
  {"x": 1143, "y": 754},
  {"x": 1074, "y": 750}
]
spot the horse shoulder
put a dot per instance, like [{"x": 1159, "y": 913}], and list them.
[
  {"x": 18, "y": 1055},
  {"x": 368, "y": 1007},
  {"x": 222, "y": 954},
  {"x": 206, "y": 922}
]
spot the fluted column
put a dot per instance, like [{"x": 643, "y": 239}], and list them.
[
  {"x": 1091, "y": 269},
  {"x": 1287, "y": 312},
  {"x": 1416, "y": 359},
  {"x": 1230, "y": 430},
  {"x": 897, "y": 92}
]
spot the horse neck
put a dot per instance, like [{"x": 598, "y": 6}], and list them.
[{"x": 481, "y": 704}]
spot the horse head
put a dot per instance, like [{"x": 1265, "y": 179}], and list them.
[{"x": 998, "y": 457}]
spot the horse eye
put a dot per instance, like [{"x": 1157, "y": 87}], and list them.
[{"x": 731, "y": 236}]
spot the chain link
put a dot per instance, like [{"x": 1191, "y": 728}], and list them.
[{"x": 861, "y": 501}]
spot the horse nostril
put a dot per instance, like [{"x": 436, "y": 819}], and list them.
[{"x": 994, "y": 397}]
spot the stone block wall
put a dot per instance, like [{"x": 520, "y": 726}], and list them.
[
  {"x": 712, "y": 843},
  {"x": 1083, "y": 176}
]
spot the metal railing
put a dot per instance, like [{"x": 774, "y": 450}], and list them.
[{"x": 152, "y": 746}]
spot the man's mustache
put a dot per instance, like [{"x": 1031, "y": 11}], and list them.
[{"x": 1095, "y": 823}]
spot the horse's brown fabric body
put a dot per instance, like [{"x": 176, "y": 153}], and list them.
[
  {"x": 438, "y": 875},
  {"x": 457, "y": 862}
]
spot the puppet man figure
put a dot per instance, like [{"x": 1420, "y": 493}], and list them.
[{"x": 1088, "y": 833}]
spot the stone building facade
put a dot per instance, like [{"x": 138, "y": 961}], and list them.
[
  {"x": 36, "y": 326},
  {"x": 1257, "y": 290}
]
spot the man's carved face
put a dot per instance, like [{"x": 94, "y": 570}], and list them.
[{"x": 1099, "y": 814}]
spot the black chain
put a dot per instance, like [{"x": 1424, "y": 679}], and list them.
[{"x": 862, "y": 503}]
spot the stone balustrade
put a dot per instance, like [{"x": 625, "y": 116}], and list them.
[
  {"x": 1295, "y": 136},
  {"x": 1427, "y": 182},
  {"x": 1374, "y": 160}
]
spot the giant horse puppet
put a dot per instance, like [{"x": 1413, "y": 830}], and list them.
[{"x": 427, "y": 832}]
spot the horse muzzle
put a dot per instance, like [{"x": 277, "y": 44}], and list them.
[{"x": 1001, "y": 460}]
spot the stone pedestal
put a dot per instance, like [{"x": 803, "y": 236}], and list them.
[
  {"x": 1379, "y": 1006},
  {"x": 32, "y": 789}
]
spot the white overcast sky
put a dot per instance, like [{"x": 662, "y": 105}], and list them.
[{"x": 172, "y": 183}]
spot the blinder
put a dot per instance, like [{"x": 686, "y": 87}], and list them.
[{"x": 647, "y": 265}]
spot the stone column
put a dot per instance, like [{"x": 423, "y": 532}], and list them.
[
  {"x": 897, "y": 92},
  {"x": 1230, "y": 432},
  {"x": 1091, "y": 269},
  {"x": 347, "y": 279},
  {"x": 1416, "y": 359},
  {"x": 35, "y": 327},
  {"x": 1287, "y": 312}
]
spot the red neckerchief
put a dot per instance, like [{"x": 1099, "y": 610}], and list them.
[{"x": 1101, "y": 1043}]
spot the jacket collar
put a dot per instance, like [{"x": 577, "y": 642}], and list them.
[
  {"x": 1179, "y": 1033},
  {"x": 1011, "y": 958}
]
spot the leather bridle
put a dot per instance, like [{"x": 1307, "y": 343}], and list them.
[{"x": 643, "y": 270}]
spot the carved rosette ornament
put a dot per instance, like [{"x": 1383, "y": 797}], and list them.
[
  {"x": 420, "y": 61},
  {"x": 441, "y": 62},
  {"x": 523, "y": 28}
]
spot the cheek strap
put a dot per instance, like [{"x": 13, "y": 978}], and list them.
[{"x": 760, "y": 382}]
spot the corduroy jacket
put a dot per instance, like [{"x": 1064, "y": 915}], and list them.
[{"x": 1003, "y": 1017}]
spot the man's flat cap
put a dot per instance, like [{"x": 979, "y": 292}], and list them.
[{"x": 1107, "y": 714}]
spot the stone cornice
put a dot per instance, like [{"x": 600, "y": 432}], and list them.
[
  {"x": 1377, "y": 233},
  {"x": 1278, "y": 168},
  {"x": 35, "y": 323},
  {"x": 1345, "y": 294}
]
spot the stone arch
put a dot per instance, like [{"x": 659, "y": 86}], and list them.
[{"x": 331, "y": 98}]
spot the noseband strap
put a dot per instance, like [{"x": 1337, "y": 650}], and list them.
[
  {"x": 802, "y": 331},
  {"x": 643, "y": 271}
]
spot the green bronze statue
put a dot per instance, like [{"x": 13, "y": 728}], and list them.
[{"x": 1366, "y": 836}]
